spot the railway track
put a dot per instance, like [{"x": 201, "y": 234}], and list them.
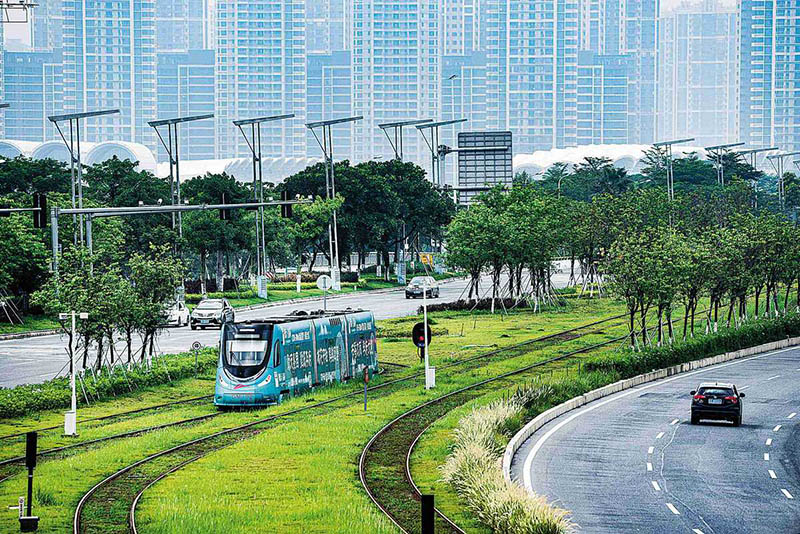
[
  {"x": 398, "y": 496},
  {"x": 129, "y": 483}
]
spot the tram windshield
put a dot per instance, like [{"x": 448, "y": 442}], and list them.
[{"x": 246, "y": 352}]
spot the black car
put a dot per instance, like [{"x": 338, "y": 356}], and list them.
[
  {"x": 717, "y": 400},
  {"x": 415, "y": 287},
  {"x": 212, "y": 312}
]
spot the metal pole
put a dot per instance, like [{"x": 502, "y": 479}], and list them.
[
  {"x": 72, "y": 184},
  {"x": 261, "y": 208},
  {"x": 178, "y": 177},
  {"x": 74, "y": 401},
  {"x": 171, "y": 172},
  {"x": 54, "y": 238},
  {"x": 89, "y": 241},
  {"x": 425, "y": 329},
  {"x": 80, "y": 171},
  {"x": 255, "y": 199},
  {"x": 333, "y": 194}
]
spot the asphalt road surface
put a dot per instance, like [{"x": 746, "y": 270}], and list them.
[
  {"x": 632, "y": 462},
  {"x": 34, "y": 360}
]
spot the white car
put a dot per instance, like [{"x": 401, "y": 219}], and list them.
[{"x": 178, "y": 315}]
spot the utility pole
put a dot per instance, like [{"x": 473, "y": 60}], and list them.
[
  {"x": 326, "y": 144},
  {"x": 716, "y": 153},
  {"x": 667, "y": 145},
  {"x": 71, "y": 417},
  {"x": 173, "y": 153},
  {"x": 254, "y": 144},
  {"x": 75, "y": 167}
]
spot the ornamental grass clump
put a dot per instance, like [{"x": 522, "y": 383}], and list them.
[{"x": 474, "y": 470}]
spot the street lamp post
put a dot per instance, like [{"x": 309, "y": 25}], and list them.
[
  {"x": 254, "y": 144},
  {"x": 433, "y": 145},
  {"x": 71, "y": 417},
  {"x": 326, "y": 144},
  {"x": 173, "y": 153},
  {"x": 397, "y": 134},
  {"x": 779, "y": 169},
  {"x": 75, "y": 166}
]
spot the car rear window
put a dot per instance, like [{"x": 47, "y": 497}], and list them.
[{"x": 723, "y": 392}]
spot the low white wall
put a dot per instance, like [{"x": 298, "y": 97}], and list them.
[{"x": 545, "y": 417}]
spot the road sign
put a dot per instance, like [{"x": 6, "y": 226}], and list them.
[
  {"x": 425, "y": 258},
  {"x": 262, "y": 287},
  {"x": 325, "y": 282}
]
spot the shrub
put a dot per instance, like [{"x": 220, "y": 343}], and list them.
[
  {"x": 482, "y": 304},
  {"x": 56, "y": 393},
  {"x": 472, "y": 468},
  {"x": 728, "y": 340}
]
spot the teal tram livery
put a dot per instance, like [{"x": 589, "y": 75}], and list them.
[{"x": 263, "y": 361}]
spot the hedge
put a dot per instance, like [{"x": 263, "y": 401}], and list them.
[
  {"x": 727, "y": 340},
  {"x": 54, "y": 394}
]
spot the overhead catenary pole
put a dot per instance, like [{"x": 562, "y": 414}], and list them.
[
  {"x": 75, "y": 167},
  {"x": 326, "y": 144},
  {"x": 254, "y": 144},
  {"x": 173, "y": 153}
]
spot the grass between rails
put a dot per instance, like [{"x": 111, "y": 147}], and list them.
[{"x": 102, "y": 463}]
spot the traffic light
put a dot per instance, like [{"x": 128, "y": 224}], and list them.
[
  {"x": 418, "y": 335},
  {"x": 286, "y": 209},
  {"x": 40, "y": 213},
  {"x": 224, "y": 214}
]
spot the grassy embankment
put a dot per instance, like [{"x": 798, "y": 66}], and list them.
[{"x": 309, "y": 459}]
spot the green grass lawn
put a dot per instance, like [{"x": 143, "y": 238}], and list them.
[{"x": 30, "y": 323}]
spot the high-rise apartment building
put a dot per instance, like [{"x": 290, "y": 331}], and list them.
[
  {"x": 260, "y": 70},
  {"x": 183, "y": 25},
  {"x": 603, "y": 113},
  {"x": 186, "y": 87},
  {"x": 329, "y": 93},
  {"x": 46, "y": 25},
  {"x": 32, "y": 81},
  {"x": 697, "y": 74},
  {"x": 109, "y": 53},
  {"x": 396, "y": 60},
  {"x": 531, "y": 73},
  {"x": 325, "y": 23},
  {"x": 769, "y": 73}
]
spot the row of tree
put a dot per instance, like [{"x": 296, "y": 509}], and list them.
[{"x": 380, "y": 205}]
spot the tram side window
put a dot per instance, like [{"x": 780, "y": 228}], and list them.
[{"x": 277, "y": 355}]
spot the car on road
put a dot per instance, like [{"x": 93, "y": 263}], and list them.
[
  {"x": 212, "y": 312},
  {"x": 718, "y": 401},
  {"x": 417, "y": 284},
  {"x": 178, "y": 315}
]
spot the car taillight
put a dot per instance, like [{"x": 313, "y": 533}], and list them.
[
  {"x": 732, "y": 399},
  {"x": 699, "y": 397}
]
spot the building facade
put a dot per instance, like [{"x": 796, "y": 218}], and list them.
[
  {"x": 769, "y": 73},
  {"x": 260, "y": 70},
  {"x": 697, "y": 75},
  {"x": 109, "y": 62},
  {"x": 32, "y": 81}
]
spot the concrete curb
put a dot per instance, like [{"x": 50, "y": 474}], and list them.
[
  {"x": 24, "y": 335},
  {"x": 545, "y": 417}
]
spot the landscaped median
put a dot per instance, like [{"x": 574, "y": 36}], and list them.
[{"x": 476, "y": 470}]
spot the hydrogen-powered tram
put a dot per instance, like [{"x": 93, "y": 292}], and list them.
[{"x": 263, "y": 361}]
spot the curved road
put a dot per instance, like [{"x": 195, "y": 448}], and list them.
[{"x": 632, "y": 462}]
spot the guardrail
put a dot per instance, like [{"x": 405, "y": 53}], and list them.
[{"x": 545, "y": 417}]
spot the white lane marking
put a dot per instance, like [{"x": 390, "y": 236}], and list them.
[
  {"x": 650, "y": 450},
  {"x": 673, "y": 509},
  {"x": 526, "y": 466},
  {"x": 788, "y": 495},
  {"x": 674, "y": 422},
  {"x": 772, "y": 474},
  {"x": 777, "y": 428},
  {"x": 766, "y": 457},
  {"x": 769, "y": 442},
  {"x": 743, "y": 387},
  {"x": 655, "y": 485},
  {"x": 649, "y": 466},
  {"x": 791, "y": 415},
  {"x": 697, "y": 531},
  {"x": 660, "y": 435},
  {"x": 773, "y": 377}
]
